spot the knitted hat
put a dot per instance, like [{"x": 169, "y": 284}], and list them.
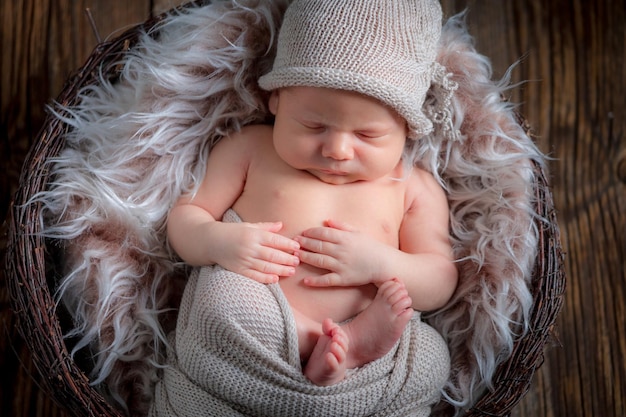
[{"x": 385, "y": 49}]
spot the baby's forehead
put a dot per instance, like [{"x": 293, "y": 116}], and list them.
[
  {"x": 309, "y": 93},
  {"x": 322, "y": 102}
]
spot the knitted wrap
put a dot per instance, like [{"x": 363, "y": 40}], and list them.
[
  {"x": 380, "y": 48},
  {"x": 235, "y": 353}
]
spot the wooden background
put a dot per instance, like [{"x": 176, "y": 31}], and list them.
[{"x": 574, "y": 61}]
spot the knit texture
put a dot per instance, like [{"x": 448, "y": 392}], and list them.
[
  {"x": 236, "y": 353},
  {"x": 380, "y": 48}
]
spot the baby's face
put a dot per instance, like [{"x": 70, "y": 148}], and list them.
[{"x": 338, "y": 136}]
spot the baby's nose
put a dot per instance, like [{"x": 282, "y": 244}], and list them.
[{"x": 339, "y": 147}]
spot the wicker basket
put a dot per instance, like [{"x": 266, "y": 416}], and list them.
[{"x": 28, "y": 264}]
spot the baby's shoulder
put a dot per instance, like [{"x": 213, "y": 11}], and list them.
[
  {"x": 422, "y": 185},
  {"x": 420, "y": 177},
  {"x": 251, "y": 138},
  {"x": 253, "y": 133}
]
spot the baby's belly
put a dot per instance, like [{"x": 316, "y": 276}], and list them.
[{"x": 319, "y": 303}]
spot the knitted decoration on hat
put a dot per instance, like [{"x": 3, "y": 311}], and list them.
[{"x": 385, "y": 49}]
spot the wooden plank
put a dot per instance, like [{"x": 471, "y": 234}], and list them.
[
  {"x": 585, "y": 133},
  {"x": 573, "y": 58}
]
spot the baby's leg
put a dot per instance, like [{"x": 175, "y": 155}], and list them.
[
  {"x": 323, "y": 353},
  {"x": 374, "y": 331},
  {"x": 369, "y": 336},
  {"x": 327, "y": 363}
]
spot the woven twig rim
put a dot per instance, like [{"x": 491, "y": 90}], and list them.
[
  {"x": 26, "y": 253},
  {"x": 35, "y": 309},
  {"x": 513, "y": 378}
]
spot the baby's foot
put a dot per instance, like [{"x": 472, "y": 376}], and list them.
[
  {"x": 327, "y": 363},
  {"x": 376, "y": 329}
]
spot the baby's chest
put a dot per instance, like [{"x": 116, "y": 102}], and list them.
[{"x": 303, "y": 203}]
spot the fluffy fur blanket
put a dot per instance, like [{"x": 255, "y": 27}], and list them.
[{"x": 137, "y": 143}]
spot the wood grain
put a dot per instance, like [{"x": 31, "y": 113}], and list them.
[{"x": 572, "y": 57}]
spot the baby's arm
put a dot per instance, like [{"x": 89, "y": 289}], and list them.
[
  {"x": 195, "y": 233},
  {"x": 423, "y": 262}
]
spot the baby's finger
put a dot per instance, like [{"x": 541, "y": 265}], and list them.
[
  {"x": 280, "y": 242},
  {"x": 335, "y": 224},
  {"x": 326, "y": 280},
  {"x": 260, "y": 277},
  {"x": 272, "y": 256},
  {"x": 268, "y": 226},
  {"x": 325, "y": 234},
  {"x": 318, "y": 260},
  {"x": 268, "y": 272},
  {"x": 315, "y": 245}
]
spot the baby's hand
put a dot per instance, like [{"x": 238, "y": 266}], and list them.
[
  {"x": 257, "y": 251},
  {"x": 351, "y": 257}
]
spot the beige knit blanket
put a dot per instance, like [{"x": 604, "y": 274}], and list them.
[{"x": 235, "y": 353}]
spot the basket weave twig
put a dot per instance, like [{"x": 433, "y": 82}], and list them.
[
  {"x": 27, "y": 259},
  {"x": 513, "y": 377},
  {"x": 28, "y": 262}
]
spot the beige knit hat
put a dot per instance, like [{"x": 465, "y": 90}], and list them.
[{"x": 385, "y": 49}]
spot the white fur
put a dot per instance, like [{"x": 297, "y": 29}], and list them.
[
  {"x": 489, "y": 181},
  {"x": 137, "y": 144}
]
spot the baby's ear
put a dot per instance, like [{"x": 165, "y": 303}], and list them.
[{"x": 273, "y": 102}]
